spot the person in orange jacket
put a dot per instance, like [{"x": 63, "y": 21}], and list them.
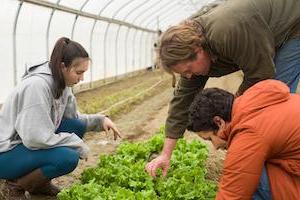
[{"x": 261, "y": 132}]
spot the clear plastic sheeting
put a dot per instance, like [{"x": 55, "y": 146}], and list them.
[
  {"x": 118, "y": 34},
  {"x": 8, "y": 12}
]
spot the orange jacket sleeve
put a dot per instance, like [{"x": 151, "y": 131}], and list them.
[{"x": 243, "y": 166}]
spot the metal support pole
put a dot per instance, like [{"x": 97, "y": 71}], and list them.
[{"x": 15, "y": 44}]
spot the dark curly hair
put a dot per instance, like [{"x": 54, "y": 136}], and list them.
[{"x": 207, "y": 104}]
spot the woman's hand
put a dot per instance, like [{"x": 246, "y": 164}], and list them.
[
  {"x": 83, "y": 151},
  {"x": 109, "y": 125}
]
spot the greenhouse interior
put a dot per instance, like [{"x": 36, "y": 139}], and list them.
[{"x": 149, "y": 99}]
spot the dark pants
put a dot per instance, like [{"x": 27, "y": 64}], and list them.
[
  {"x": 287, "y": 63},
  {"x": 263, "y": 191},
  {"x": 53, "y": 162}
]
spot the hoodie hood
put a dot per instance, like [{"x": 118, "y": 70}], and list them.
[
  {"x": 38, "y": 69},
  {"x": 42, "y": 70},
  {"x": 253, "y": 101}
]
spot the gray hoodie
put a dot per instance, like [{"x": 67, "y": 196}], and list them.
[{"x": 30, "y": 115}]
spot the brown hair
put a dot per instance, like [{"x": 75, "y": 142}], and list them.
[
  {"x": 177, "y": 44},
  {"x": 66, "y": 51}
]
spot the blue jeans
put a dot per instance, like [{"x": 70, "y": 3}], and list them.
[
  {"x": 53, "y": 162},
  {"x": 287, "y": 63},
  {"x": 263, "y": 191}
]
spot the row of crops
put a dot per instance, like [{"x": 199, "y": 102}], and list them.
[{"x": 122, "y": 176}]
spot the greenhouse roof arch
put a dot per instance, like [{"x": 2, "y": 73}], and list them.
[{"x": 118, "y": 34}]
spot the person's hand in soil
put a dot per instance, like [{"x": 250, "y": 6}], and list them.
[
  {"x": 109, "y": 125},
  {"x": 162, "y": 162}
]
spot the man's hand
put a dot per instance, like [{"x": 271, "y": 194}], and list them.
[
  {"x": 109, "y": 125},
  {"x": 162, "y": 162}
]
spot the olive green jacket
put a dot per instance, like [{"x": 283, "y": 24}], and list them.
[{"x": 241, "y": 35}]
